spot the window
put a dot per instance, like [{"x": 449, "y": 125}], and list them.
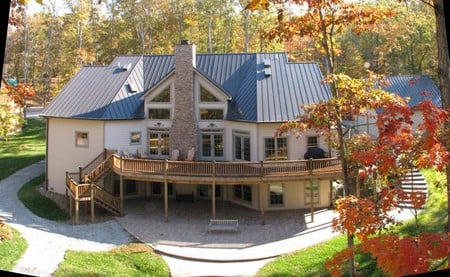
[
  {"x": 163, "y": 96},
  {"x": 212, "y": 144},
  {"x": 242, "y": 146},
  {"x": 243, "y": 192},
  {"x": 159, "y": 113},
  {"x": 159, "y": 143},
  {"x": 135, "y": 138},
  {"x": 315, "y": 187},
  {"x": 211, "y": 114},
  {"x": 275, "y": 149},
  {"x": 206, "y": 96},
  {"x": 276, "y": 192},
  {"x": 81, "y": 139},
  {"x": 158, "y": 188},
  {"x": 129, "y": 186},
  {"x": 312, "y": 142}
]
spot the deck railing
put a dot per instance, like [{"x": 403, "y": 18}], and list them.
[
  {"x": 203, "y": 170},
  {"x": 111, "y": 200},
  {"x": 95, "y": 163},
  {"x": 78, "y": 191}
]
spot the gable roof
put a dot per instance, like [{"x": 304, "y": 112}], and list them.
[
  {"x": 413, "y": 87},
  {"x": 264, "y": 87}
]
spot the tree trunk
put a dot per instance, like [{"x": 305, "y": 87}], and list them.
[
  {"x": 351, "y": 261},
  {"x": 440, "y": 9}
]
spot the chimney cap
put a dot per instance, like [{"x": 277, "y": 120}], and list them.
[{"x": 185, "y": 42}]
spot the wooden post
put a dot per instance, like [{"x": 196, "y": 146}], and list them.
[
  {"x": 261, "y": 195},
  {"x": 166, "y": 192},
  {"x": 66, "y": 204},
  {"x": 77, "y": 206},
  {"x": 80, "y": 176},
  {"x": 213, "y": 196},
  {"x": 92, "y": 202},
  {"x": 121, "y": 195},
  {"x": 311, "y": 188}
]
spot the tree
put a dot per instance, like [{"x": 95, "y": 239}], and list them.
[{"x": 322, "y": 20}]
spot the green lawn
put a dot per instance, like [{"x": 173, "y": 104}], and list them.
[
  {"x": 11, "y": 250},
  {"x": 22, "y": 149},
  {"x": 135, "y": 259},
  {"x": 311, "y": 261},
  {"x": 39, "y": 204}
]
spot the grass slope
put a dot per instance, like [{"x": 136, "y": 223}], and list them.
[
  {"x": 11, "y": 250},
  {"x": 22, "y": 149},
  {"x": 135, "y": 259},
  {"x": 39, "y": 204}
]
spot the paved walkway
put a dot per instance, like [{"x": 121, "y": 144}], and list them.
[
  {"x": 48, "y": 240},
  {"x": 183, "y": 241}
]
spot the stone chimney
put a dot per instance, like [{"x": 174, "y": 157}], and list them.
[{"x": 184, "y": 131}]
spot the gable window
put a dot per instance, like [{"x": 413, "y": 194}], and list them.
[
  {"x": 211, "y": 114},
  {"x": 315, "y": 189},
  {"x": 241, "y": 146},
  {"x": 159, "y": 113},
  {"x": 163, "y": 96},
  {"x": 206, "y": 96},
  {"x": 276, "y": 192},
  {"x": 312, "y": 142},
  {"x": 135, "y": 138},
  {"x": 212, "y": 144},
  {"x": 275, "y": 149},
  {"x": 81, "y": 139},
  {"x": 243, "y": 192}
]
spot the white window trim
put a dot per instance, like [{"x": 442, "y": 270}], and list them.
[{"x": 76, "y": 139}]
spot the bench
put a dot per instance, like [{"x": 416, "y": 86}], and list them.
[{"x": 223, "y": 225}]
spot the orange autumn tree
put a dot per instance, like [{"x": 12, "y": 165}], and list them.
[
  {"x": 384, "y": 159},
  {"x": 396, "y": 149},
  {"x": 12, "y": 102},
  {"x": 321, "y": 20}
]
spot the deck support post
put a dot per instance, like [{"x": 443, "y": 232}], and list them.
[
  {"x": 261, "y": 194},
  {"x": 77, "y": 206},
  {"x": 311, "y": 186},
  {"x": 213, "y": 196},
  {"x": 121, "y": 195},
  {"x": 166, "y": 192},
  {"x": 92, "y": 203}
]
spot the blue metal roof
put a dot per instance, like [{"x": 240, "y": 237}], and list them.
[
  {"x": 413, "y": 87},
  {"x": 264, "y": 87}
]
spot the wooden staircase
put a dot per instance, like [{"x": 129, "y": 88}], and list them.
[
  {"x": 87, "y": 189},
  {"x": 413, "y": 181}
]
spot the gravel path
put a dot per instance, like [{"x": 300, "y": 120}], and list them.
[{"x": 49, "y": 240}]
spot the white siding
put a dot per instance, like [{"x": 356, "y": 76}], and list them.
[
  {"x": 63, "y": 155},
  {"x": 118, "y": 135}
]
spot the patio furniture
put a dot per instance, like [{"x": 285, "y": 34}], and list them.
[
  {"x": 141, "y": 153},
  {"x": 190, "y": 155},
  {"x": 223, "y": 225},
  {"x": 175, "y": 155}
]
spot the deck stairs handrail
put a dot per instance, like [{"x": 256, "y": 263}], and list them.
[
  {"x": 99, "y": 171},
  {"x": 107, "y": 200},
  {"x": 95, "y": 163}
]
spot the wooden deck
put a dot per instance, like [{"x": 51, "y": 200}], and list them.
[
  {"x": 188, "y": 172},
  {"x": 82, "y": 186}
]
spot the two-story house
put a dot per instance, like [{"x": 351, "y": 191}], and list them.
[{"x": 192, "y": 124}]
